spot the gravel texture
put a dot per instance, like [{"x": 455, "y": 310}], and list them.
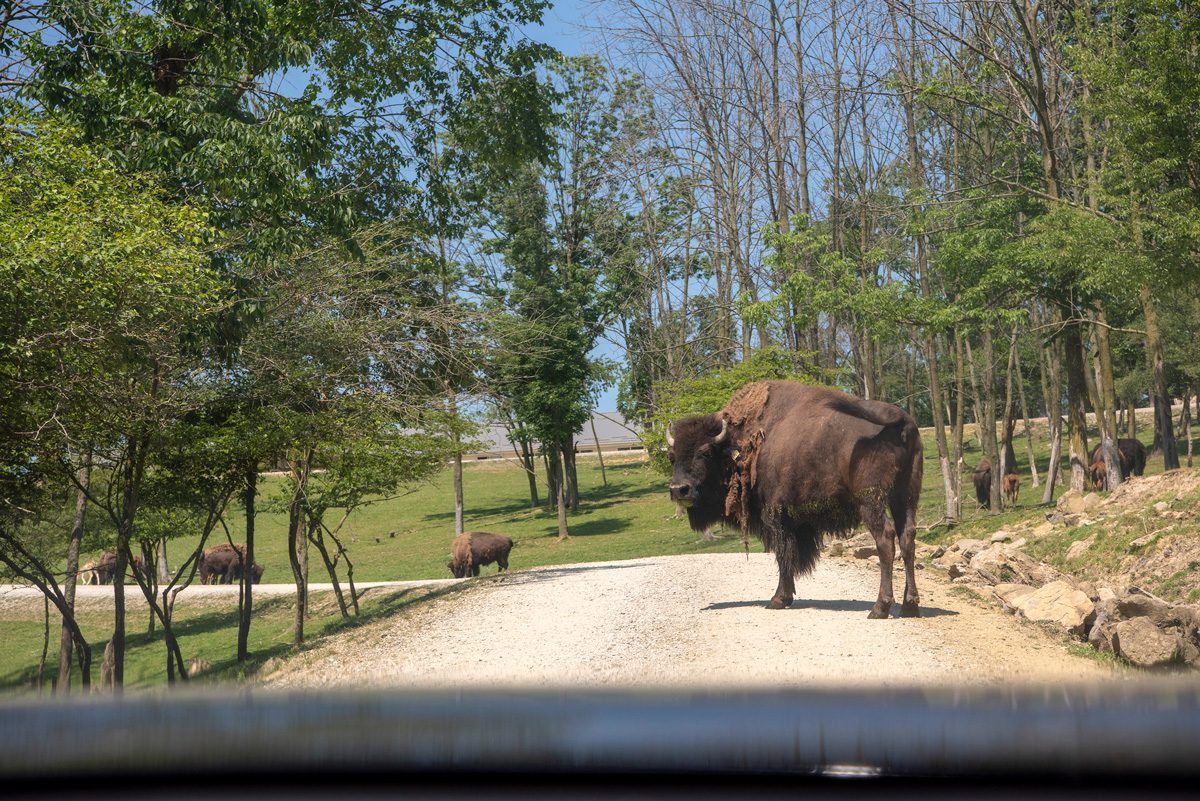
[{"x": 688, "y": 621}]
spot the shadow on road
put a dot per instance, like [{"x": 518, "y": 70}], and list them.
[
  {"x": 547, "y": 574},
  {"x": 830, "y": 606}
]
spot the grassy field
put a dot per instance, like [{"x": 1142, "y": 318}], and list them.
[{"x": 629, "y": 517}]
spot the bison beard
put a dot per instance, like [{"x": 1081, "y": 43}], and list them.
[{"x": 792, "y": 464}]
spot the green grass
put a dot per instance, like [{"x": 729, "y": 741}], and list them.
[{"x": 625, "y": 519}]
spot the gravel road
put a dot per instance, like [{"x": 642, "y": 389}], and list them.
[{"x": 688, "y": 621}]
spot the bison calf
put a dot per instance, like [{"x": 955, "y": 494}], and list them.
[
  {"x": 472, "y": 549},
  {"x": 1012, "y": 486}
]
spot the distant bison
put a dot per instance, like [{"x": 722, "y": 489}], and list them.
[
  {"x": 473, "y": 549},
  {"x": 222, "y": 564},
  {"x": 793, "y": 463},
  {"x": 1132, "y": 455},
  {"x": 983, "y": 482},
  {"x": 1012, "y": 487},
  {"x": 1099, "y": 475},
  {"x": 106, "y": 567}
]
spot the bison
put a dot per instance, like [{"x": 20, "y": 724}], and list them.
[
  {"x": 1132, "y": 455},
  {"x": 106, "y": 567},
  {"x": 473, "y": 549},
  {"x": 1012, "y": 487},
  {"x": 1099, "y": 475},
  {"x": 983, "y": 482},
  {"x": 793, "y": 463},
  {"x": 222, "y": 564}
]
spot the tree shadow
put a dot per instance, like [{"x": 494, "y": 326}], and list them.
[
  {"x": 547, "y": 574},
  {"x": 828, "y": 605}
]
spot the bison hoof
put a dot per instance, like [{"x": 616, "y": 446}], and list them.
[
  {"x": 779, "y": 603},
  {"x": 910, "y": 610},
  {"x": 879, "y": 612}
]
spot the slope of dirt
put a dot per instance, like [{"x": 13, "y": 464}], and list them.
[{"x": 689, "y": 621}]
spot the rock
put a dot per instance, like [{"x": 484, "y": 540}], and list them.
[
  {"x": 866, "y": 552},
  {"x": 937, "y": 553},
  {"x": 1162, "y": 506},
  {"x": 987, "y": 575},
  {"x": 197, "y": 666},
  {"x": 1106, "y": 594},
  {"x": 1140, "y": 641},
  {"x": 1144, "y": 540},
  {"x": 1091, "y": 501},
  {"x": 969, "y": 548},
  {"x": 1060, "y": 603},
  {"x": 1068, "y": 501},
  {"x": 873, "y": 559},
  {"x": 1136, "y": 604},
  {"x": 1011, "y": 594},
  {"x": 836, "y": 549},
  {"x": 957, "y": 570},
  {"x": 1073, "y": 519},
  {"x": 1042, "y": 530},
  {"x": 923, "y": 549},
  {"x": 1080, "y": 547},
  {"x": 1088, "y": 589},
  {"x": 1054, "y": 518},
  {"x": 862, "y": 546},
  {"x": 1018, "y": 543},
  {"x": 951, "y": 558},
  {"x": 1001, "y": 536}
]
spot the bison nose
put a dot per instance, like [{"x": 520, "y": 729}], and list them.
[{"x": 681, "y": 492}]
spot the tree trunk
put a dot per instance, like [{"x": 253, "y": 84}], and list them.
[
  {"x": 66, "y": 639},
  {"x": 1076, "y": 420},
  {"x": 246, "y": 609},
  {"x": 1163, "y": 418},
  {"x": 298, "y": 542},
  {"x": 1028, "y": 425},
  {"x": 599, "y": 455}
]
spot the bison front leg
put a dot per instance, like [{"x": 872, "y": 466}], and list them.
[
  {"x": 885, "y": 542},
  {"x": 776, "y": 540}
]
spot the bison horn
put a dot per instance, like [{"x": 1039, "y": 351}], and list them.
[
  {"x": 724, "y": 431},
  {"x": 670, "y": 438}
]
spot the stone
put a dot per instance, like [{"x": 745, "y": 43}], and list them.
[
  {"x": 1018, "y": 543},
  {"x": 1080, "y": 547},
  {"x": 987, "y": 575},
  {"x": 969, "y": 548},
  {"x": 1106, "y": 594},
  {"x": 1001, "y": 536},
  {"x": 1011, "y": 594},
  {"x": 836, "y": 549},
  {"x": 1054, "y": 518},
  {"x": 951, "y": 558},
  {"x": 1139, "y": 641},
  {"x": 937, "y": 552},
  {"x": 923, "y": 549},
  {"x": 1162, "y": 506},
  {"x": 1073, "y": 519},
  {"x": 1101, "y": 633},
  {"x": 1042, "y": 530},
  {"x": 1060, "y": 603},
  {"x": 1136, "y": 604},
  {"x": 866, "y": 552},
  {"x": 1144, "y": 540},
  {"x": 957, "y": 570},
  {"x": 1088, "y": 589},
  {"x": 1069, "y": 501}
]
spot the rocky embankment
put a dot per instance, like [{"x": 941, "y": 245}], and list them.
[{"x": 1113, "y": 614}]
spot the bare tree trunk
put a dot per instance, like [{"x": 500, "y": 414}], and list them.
[
  {"x": 66, "y": 639},
  {"x": 1028, "y": 425},
  {"x": 599, "y": 455},
  {"x": 298, "y": 541},
  {"x": 246, "y": 608},
  {"x": 1154, "y": 348},
  {"x": 1076, "y": 390}
]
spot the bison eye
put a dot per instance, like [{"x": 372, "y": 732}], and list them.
[{"x": 671, "y": 456}]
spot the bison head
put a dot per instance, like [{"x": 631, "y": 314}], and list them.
[
  {"x": 256, "y": 572},
  {"x": 699, "y": 447},
  {"x": 459, "y": 571}
]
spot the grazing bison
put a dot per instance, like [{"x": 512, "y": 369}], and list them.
[
  {"x": 222, "y": 564},
  {"x": 88, "y": 574},
  {"x": 1099, "y": 475},
  {"x": 106, "y": 567},
  {"x": 473, "y": 549},
  {"x": 792, "y": 463},
  {"x": 1012, "y": 487},
  {"x": 1132, "y": 455},
  {"x": 983, "y": 482}
]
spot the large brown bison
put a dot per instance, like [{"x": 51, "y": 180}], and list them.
[
  {"x": 983, "y": 482},
  {"x": 473, "y": 549},
  {"x": 793, "y": 463},
  {"x": 222, "y": 564},
  {"x": 1132, "y": 455}
]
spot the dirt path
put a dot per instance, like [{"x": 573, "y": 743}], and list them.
[{"x": 688, "y": 621}]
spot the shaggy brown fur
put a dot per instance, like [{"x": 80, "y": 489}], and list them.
[
  {"x": 222, "y": 564},
  {"x": 1099, "y": 475},
  {"x": 1012, "y": 487},
  {"x": 798, "y": 463},
  {"x": 473, "y": 549},
  {"x": 983, "y": 482}
]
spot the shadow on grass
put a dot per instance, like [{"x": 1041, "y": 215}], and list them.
[{"x": 828, "y": 605}]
